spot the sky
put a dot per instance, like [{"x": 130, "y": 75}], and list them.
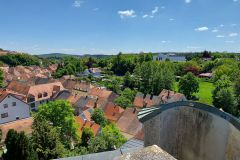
[{"x": 111, "y": 26}]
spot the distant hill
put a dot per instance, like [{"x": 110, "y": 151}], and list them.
[{"x": 3, "y": 52}]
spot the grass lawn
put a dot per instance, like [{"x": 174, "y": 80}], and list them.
[{"x": 205, "y": 92}]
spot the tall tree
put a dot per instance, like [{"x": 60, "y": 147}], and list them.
[
  {"x": 1, "y": 78},
  {"x": 99, "y": 117},
  {"x": 87, "y": 134},
  {"x": 46, "y": 140},
  {"x": 60, "y": 114},
  {"x": 188, "y": 85},
  {"x": 18, "y": 147}
]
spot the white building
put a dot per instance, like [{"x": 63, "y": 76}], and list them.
[{"x": 12, "y": 107}]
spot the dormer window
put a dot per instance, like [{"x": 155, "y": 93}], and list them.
[
  {"x": 45, "y": 94},
  {"x": 39, "y": 95}
]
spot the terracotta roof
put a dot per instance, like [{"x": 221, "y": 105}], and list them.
[
  {"x": 35, "y": 90},
  {"x": 148, "y": 101},
  {"x": 87, "y": 124},
  {"x": 168, "y": 96},
  {"x": 19, "y": 125},
  {"x": 129, "y": 122},
  {"x": 113, "y": 112},
  {"x": 139, "y": 100},
  {"x": 102, "y": 93}
]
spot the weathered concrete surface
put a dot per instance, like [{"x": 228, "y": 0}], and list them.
[{"x": 188, "y": 133}]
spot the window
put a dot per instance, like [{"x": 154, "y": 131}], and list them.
[
  {"x": 5, "y": 105},
  {"x": 45, "y": 94},
  {"x": 4, "y": 115},
  {"x": 39, "y": 95},
  {"x": 17, "y": 118},
  {"x": 14, "y": 104}
]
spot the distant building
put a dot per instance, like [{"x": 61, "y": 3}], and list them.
[
  {"x": 12, "y": 107},
  {"x": 95, "y": 72},
  {"x": 171, "y": 57}
]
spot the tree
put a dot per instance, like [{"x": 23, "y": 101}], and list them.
[
  {"x": 188, "y": 85},
  {"x": 128, "y": 81},
  {"x": 87, "y": 134},
  {"x": 123, "y": 102},
  {"x": 46, "y": 140},
  {"x": 224, "y": 99},
  {"x": 237, "y": 94},
  {"x": 112, "y": 136},
  {"x": 18, "y": 147},
  {"x": 99, "y": 117},
  {"x": 60, "y": 114},
  {"x": 97, "y": 144},
  {"x": 1, "y": 78}
]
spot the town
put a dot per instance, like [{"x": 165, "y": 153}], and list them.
[{"x": 90, "y": 105}]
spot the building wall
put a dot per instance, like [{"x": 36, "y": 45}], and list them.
[
  {"x": 188, "y": 133},
  {"x": 20, "y": 111}
]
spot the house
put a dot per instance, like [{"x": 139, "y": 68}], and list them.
[
  {"x": 24, "y": 125},
  {"x": 160, "y": 57},
  {"x": 113, "y": 112},
  {"x": 75, "y": 85},
  {"x": 171, "y": 57},
  {"x": 205, "y": 75},
  {"x": 95, "y": 72},
  {"x": 87, "y": 124},
  {"x": 12, "y": 107},
  {"x": 129, "y": 124},
  {"x": 83, "y": 103},
  {"x": 191, "y": 130},
  {"x": 36, "y": 95},
  {"x": 101, "y": 93},
  {"x": 167, "y": 96}
]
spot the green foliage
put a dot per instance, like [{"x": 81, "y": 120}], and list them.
[
  {"x": 188, "y": 85},
  {"x": 18, "y": 147},
  {"x": 126, "y": 98},
  {"x": 60, "y": 114},
  {"x": 99, "y": 117},
  {"x": 129, "y": 81},
  {"x": 153, "y": 77},
  {"x": 87, "y": 134},
  {"x": 70, "y": 66},
  {"x": 1, "y": 78},
  {"x": 19, "y": 59},
  {"x": 112, "y": 137},
  {"x": 46, "y": 140},
  {"x": 97, "y": 144},
  {"x": 223, "y": 96}
]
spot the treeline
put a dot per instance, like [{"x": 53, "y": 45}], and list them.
[{"x": 19, "y": 59}]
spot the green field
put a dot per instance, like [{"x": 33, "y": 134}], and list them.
[{"x": 205, "y": 91}]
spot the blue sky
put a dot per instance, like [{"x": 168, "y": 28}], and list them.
[{"x": 110, "y": 26}]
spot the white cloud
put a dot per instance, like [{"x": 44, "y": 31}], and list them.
[
  {"x": 235, "y": 0},
  {"x": 193, "y": 47},
  {"x": 163, "y": 7},
  {"x": 233, "y": 34},
  {"x": 95, "y": 9},
  {"x": 127, "y": 14},
  {"x": 221, "y": 25},
  {"x": 188, "y": 1},
  {"x": 201, "y": 29},
  {"x": 171, "y": 19},
  {"x": 215, "y": 30},
  {"x": 155, "y": 10},
  {"x": 77, "y": 3},
  {"x": 165, "y": 41},
  {"x": 233, "y": 25},
  {"x": 220, "y": 36},
  {"x": 229, "y": 41}
]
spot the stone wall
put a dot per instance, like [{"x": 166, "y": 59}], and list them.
[{"x": 188, "y": 133}]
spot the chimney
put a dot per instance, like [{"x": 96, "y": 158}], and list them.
[
  {"x": 168, "y": 95},
  {"x": 134, "y": 110},
  {"x": 144, "y": 104}
]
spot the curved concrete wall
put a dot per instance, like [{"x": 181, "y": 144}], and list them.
[{"x": 188, "y": 133}]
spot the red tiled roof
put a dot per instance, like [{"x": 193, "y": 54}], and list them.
[
  {"x": 100, "y": 93},
  {"x": 87, "y": 124},
  {"x": 168, "y": 96},
  {"x": 113, "y": 112},
  {"x": 129, "y": 122},
  {"x": 19, "y": 125}
]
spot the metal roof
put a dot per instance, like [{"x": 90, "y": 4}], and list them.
[{"x": 148, "y": 113}]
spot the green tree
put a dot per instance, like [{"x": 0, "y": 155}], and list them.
[
  {"x": 1, "y": 78},
  {"x": 128, "y": 81},
  {"x": 237, "y": 94},
  {"x": 87, "y": 134},
  {"x": 60, "y": 114},
  {"x": 112, "y": 136},
  {"x": 123, "y": 102},
  {"x": 97, "y": 144},
  {"x": 18, "y": 147},
  {"x": 99, "y": 117},
  {"x": 188, "y": 85},
  {"x": 46, "y": 140}
]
